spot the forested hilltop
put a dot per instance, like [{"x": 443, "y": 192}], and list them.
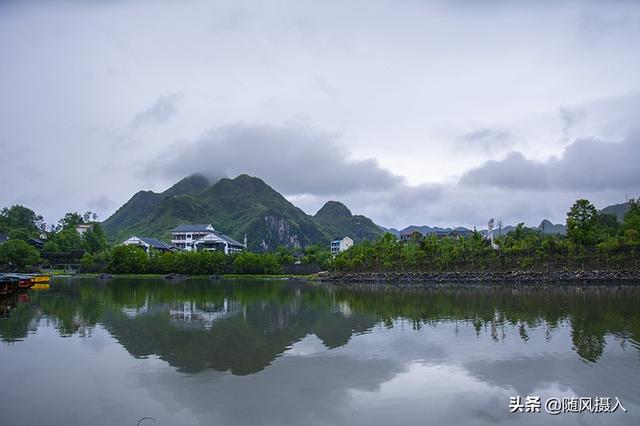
[{"x": 242, "y": 206}]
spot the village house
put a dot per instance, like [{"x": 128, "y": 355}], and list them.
[
  {"x": 408, "y": 236},
  {"x": 148, "y": 243},
  {"x": 81, "y": 228},
  {"x": 203, "y": 237},
  {"x": 340, "y": 244}
]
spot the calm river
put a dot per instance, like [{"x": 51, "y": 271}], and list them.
[{"x": 87, "y": 352}]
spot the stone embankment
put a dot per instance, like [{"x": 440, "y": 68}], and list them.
[{"x": 480, "y": 277}]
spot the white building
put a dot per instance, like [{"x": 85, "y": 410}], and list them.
[
  {"x": 83, "y": 227},
  {"x": 340, "y": 244},
  {"x": 149, "y": 243},
  {"x": 200, "y": 237}
]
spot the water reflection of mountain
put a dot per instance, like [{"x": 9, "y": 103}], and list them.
[
  {"x": 243, "y": 343},
  {"x": 243, "y": 326}
]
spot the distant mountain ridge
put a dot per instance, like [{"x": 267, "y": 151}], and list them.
[
  {"x": 241, "y": 206},
  {"x": 545, "y": 226}
]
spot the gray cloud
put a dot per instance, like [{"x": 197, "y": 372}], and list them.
[
  {"x": 84, "y": 79},
  {"x": 586, "y": 164},
  {"x": 162, "y": 110},
  {"x": 486, "y": 139},
  {"x": 295, "y": 160}
]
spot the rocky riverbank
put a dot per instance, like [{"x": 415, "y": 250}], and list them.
[{"x": 488, "y": 277}]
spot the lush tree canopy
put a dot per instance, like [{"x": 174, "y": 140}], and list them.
[
  {"x": 18, "y": 216},
  {"x": 582, "y": 223},
  {"x": 18, "y": 254}
]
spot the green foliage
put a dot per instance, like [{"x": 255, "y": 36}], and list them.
[
  {"x": 20, "y": 234},
  {"x": 70, "y": 221},
  {"x": 18, "y": 216},
  {"x": 632, "y": 236},
  {"x": 523, "y": 248},
  {"x": 87, "y": 260},
  {"x": 582, "y": 224},
  {"x": 67, "y": 240},
  {"x": 608, "y": 223},
  {"x": 317, "y": 254},
  {"x": 284, "y": 256},
  {"x": 18, "y": 254},
  {"x": 95, "y": 240},
  {"x": 252, "y": 263},
  {"x": 51, "y": 247},
  {"x": 128, "y": 259},
  {"x": 632, "y": 217}
]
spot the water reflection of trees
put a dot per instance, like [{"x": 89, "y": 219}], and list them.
[
  {"x": 591, "y": 312},
  {"x": 243, "y": 326}
]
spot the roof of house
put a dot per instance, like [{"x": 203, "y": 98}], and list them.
[
  {"x": 157, "y": 244},
  {"x": 228, "y": 239},
  {"x": 204, "y": 227},
  {"x": 410, "y": 233},
  {"x": 215, "y": 236},
  {"x": 36, "y": 242}
]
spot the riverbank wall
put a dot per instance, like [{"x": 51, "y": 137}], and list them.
[{"x": 479, "y": 277}]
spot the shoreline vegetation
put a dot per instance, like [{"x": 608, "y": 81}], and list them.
[{"x": 597, "y": 248}]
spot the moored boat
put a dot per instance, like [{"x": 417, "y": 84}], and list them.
[
  {"x": 8, "y": 284},
  {"x": 25, "y": 281},
  {"x": 41, "y": 286}
]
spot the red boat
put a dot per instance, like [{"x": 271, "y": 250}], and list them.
[
  {"x": 24, "y": 281},
  {"x": 8, "y": 284}
]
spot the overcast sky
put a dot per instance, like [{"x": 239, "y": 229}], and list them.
[{"x": 411, "y": 112}]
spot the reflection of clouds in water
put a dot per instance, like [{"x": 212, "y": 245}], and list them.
[
  {"x": 311, "y": 390},
  {"x": 445, "y": 374},
  {"x": 432, "y": 394},
  {"x": 440, "y": 374},
  {"x": 567, "y": 374},
  {"x": 72, "y": 383},
  {"x": 309, "y": 345}
]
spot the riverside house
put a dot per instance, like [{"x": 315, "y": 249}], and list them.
[
  {"x": 148, "y": 243},
  {"x": 340, "y": 244},
  {"x": 198, "y": 237}
]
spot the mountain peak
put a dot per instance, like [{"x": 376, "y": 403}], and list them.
[
  {"x": 188, "y": 185},
  {"x": 333, "y": 209},
  {"x": 549, "y": 227},
  {"x": 244, "y": 205}
]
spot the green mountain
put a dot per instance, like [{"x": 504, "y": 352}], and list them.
[
  {"x": 336, "y": 219},
  {"x": 548, "y": 228},
  {"x": 618, "y": 210},
  {"x": 242, "y": 206}
]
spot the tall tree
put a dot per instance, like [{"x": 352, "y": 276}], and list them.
[
  {"x": 70, "y": 221},
  {"x": 95, "y": 239},
  {"x": 18, "y": 254},
  {"x": 582, "y": 223},
  {"x": 631, "y": 224},
  {"x": 18, "y": 216}
]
